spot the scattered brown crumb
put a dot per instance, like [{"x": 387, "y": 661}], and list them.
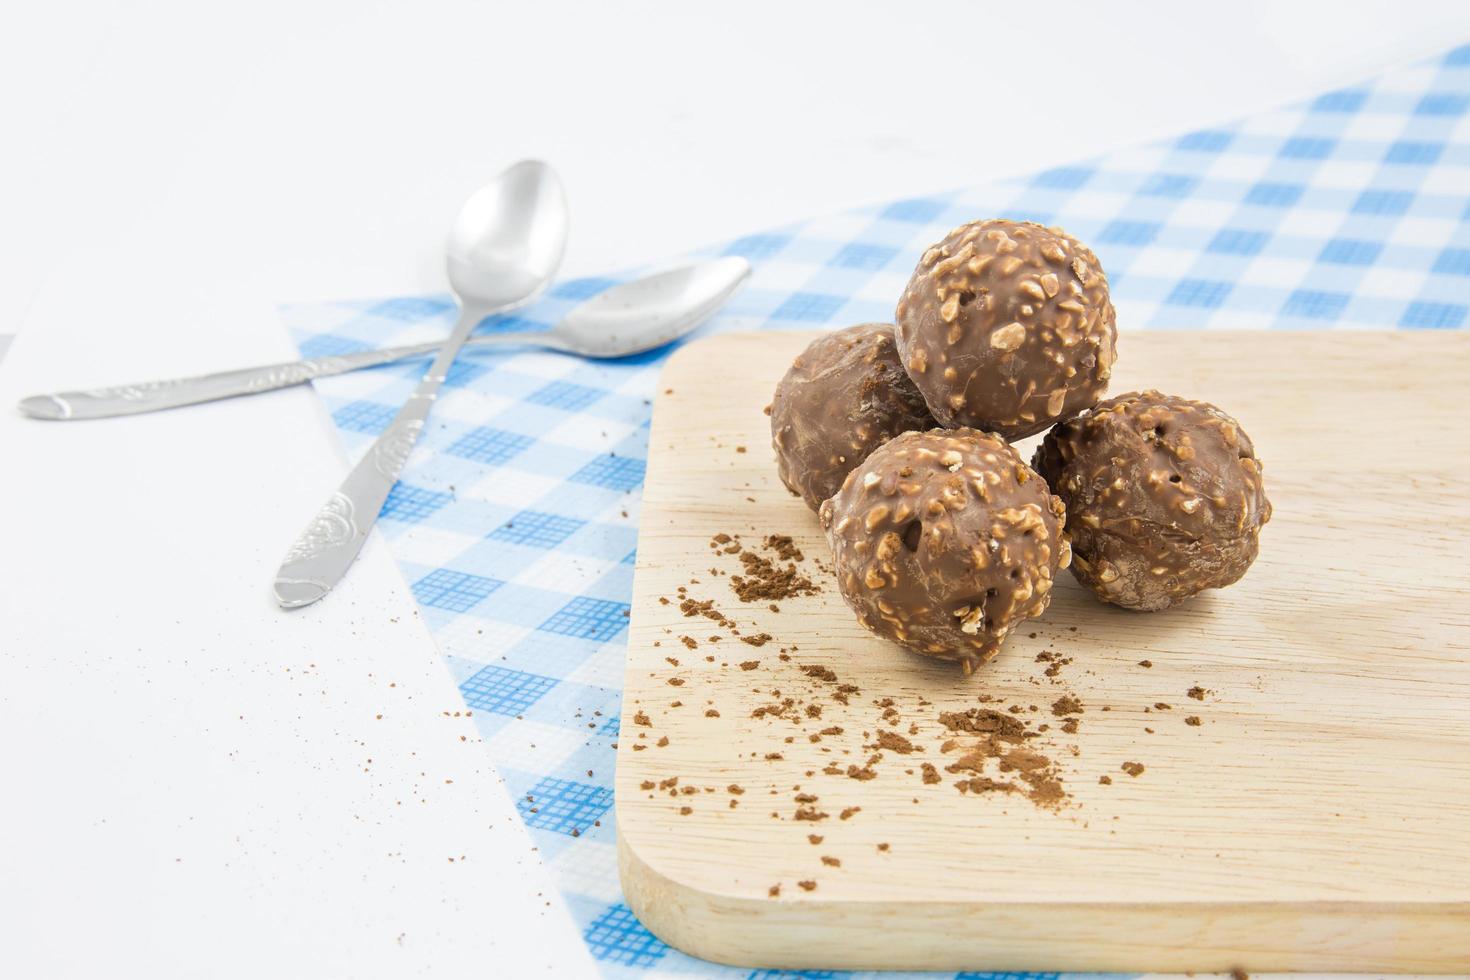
[
  {"x": 774, "y": 891},
  {"x": 1145, "y": 663},
  {"x": 758, "y": 640},
  {"x": 831, "y": 861},
  {"x": 676, "y": 682},
  {"x": 883, "y": 846},
  {"x": 711, "y": 713},
  {"x": 807, "y": 886},
  {"x": 895, "y": 742},
  {"x": 1192, "y": 720},
  {"x": 1105, "y": 780},
  {"x": 814, "y": 839},
  {"x": 1066, "y": 705},
  {"x": 684, "y": 811},
  {"x": 740, "y": 449},
  {"x": 819, "y": 672},
  {"x": 689, "y": 642},
  {"x": 931, "y": 775},
  {"x": 848, "y": 812},
  {"x": 774, "y": 756},
  {"x": 1133, "y": 768},
  {"x": 766, "y": 580},
  {"x": 663, "y": 740},
  {"x": 1163, "y": 706},
  {"x": 1197, "y": 692},
  {"x": 750, "y": 664},
  {"x": 640, "y": 718},
  {"x": 1070, "y": 726}
]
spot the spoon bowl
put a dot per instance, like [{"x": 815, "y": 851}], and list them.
[
  {"x": 647, "y": 313},
  {"x": 508, "y": 238}
]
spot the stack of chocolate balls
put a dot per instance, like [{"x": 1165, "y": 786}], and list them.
[{"x": 944, "y": 538}]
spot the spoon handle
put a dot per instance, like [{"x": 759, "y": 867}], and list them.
[
  {"x": 330, "y": 543},
  {"x": 153, "y": 396}
]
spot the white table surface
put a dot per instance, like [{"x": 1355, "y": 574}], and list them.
[{"x": 185, "y": 769}]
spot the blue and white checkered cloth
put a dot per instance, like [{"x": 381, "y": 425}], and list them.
[{"x": 516, "y": 519}]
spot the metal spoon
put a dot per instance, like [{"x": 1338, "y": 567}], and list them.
[
  {"x": 504, "y": 248},
  {"x": 625, "y": 319}
]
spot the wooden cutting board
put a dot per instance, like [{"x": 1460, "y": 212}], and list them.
[{"x": 1316, "y": 818}]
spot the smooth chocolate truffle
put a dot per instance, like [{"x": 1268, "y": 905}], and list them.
[
  {"x": 1007, "y": 326},
  {"x": 843, "y": 397},
  {"x": 1164, "y": 498},
  {"x": 944, "y": 541}
]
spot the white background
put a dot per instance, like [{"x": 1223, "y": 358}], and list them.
[{"x": 183, "y": 768}]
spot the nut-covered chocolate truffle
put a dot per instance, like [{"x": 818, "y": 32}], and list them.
[
  {"x": 944, "y": 541},
  {"x": 843, "y": 397},
  {"x": 1164, "y": 497},
  {"x": 1007, "y": 326}
]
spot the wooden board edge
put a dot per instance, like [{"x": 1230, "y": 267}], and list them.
[{"x": 809, "y": 934}]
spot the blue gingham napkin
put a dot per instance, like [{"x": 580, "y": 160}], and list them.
[{"x": 516, "y": 520}]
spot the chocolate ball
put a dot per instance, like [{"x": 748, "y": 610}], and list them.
[
  {"x": 1164, "y": 497},
  {"x": 843, "y": 397},
  {"x": 944, "y": 541},
  {"x": 1006, "y": 326}
]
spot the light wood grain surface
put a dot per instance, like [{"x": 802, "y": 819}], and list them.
[{"x": 1317, "y": 818}]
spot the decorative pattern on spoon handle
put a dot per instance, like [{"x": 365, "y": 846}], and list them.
[
  {"x": 326, "y": 549},
  {"x": 151, "y": 396}
]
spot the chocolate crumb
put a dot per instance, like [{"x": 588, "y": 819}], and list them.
[
  {"x": 931, "y": 775},
  {"x": 807, "y": 886},
  {"x": 1197, "y": 692},
  {"x": 774, "y": 891},
  {"x": 1066, "y": 705},
  {"x": 1145, "y": 663},
  {"x": 831, "y": 861},
  {"x": 1192, "y": 720},
  {"x": 1133, "y": 768},
  {"x": 689, "y": 642},
  {"x": 750, "y": 664},
  {"x": 640, "y": 718},
  {"x": 814, "y": 839},
  {"x": 895, "y": 742},
  {"x": 676, "y": 682},
  {"x": 663, "y": 740},
  {"x": 883, "y": 846},
  {"x": 758, "y": 640},
  {"x": 684, "y": 811},
  {"x": 848, "y": 812},
  {"x": 1105, "y": 780}
]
